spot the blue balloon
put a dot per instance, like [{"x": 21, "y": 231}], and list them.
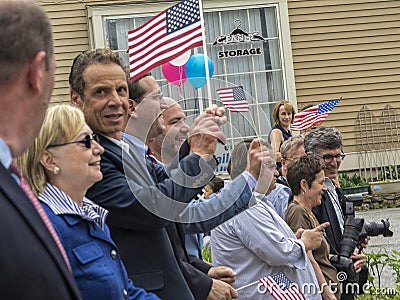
[{"x": 196, "y": 70}]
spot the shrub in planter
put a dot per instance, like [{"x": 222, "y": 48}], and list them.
[{"x": 353, "y": 184}]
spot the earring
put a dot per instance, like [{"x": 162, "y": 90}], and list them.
[{"x": 56, "y": 170}]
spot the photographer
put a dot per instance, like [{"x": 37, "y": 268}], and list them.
[{"x": 326, "y": 144}]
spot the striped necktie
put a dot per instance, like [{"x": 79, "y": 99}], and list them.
[{"x": 26, "y": 188}]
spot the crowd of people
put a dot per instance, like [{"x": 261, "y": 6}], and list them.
[{"x": 99, "y": 197}]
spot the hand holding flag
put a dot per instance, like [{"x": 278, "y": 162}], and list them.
[{"x": 313, "y": 115}]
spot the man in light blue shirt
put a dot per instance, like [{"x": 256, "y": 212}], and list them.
[{"x": 258, "y": 243}]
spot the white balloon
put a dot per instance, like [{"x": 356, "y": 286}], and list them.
[{"x": 181, "y": 60}]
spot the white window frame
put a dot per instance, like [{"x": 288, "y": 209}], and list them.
[{"x": 97, "y": 13}]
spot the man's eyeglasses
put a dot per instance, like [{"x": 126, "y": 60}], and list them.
[
  {"x": 87, "y": 141},
  {"x": 328, "y": 158}
]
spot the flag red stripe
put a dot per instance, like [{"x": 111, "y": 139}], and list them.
[
  {"x": 164, "y": 51},
  {"x": 167, "y": 43},
  {"x": 293, "y": 293},
  {"x": 150, "y": 23},
  {"x": 309, "y": 122},
  {"x": 178, "y": 37},
  {"x": 309, "y": 119},
  {"x": 144, "y": 68},
  {"x": 273, "y": 290},
  {"x": 147, "y": 30},
  {"x": 237, "y": 106}
]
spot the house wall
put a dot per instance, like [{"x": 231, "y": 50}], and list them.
[{"x": 348, "y": 49}]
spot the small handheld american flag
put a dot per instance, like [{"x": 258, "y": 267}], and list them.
[
  {"x": 313, "y": 115},
  {"x": 234, "y": 98},
  {"x": 280, "y": 287}
]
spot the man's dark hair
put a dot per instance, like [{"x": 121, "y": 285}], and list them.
[
  {"x": 86, "y": 59},
  {"x": 216, "y": 184},
  {"x": 136, "y": 91},
  {"x": 25, "y": 30}
]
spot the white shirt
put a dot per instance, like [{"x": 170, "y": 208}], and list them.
[
  {"x": 5, "y": 154},
  {"x": 257, "y": 243},
  {"x": 333, "y": 197}
]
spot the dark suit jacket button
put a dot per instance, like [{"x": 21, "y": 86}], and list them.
[
  {"x": 114, "y": 253},
  {"x": 125, "y": 294}
]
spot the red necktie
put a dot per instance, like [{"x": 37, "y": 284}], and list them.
[{"x": 25, "y": 186}]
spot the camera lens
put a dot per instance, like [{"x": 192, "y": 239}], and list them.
[{"x": 352, "y": 229}]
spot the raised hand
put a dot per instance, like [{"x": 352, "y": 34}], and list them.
[{"x": 205, "y": 132}]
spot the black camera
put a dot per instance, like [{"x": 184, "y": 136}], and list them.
[
  {"x": 375, "y": 229},
  {"x": 342, "y": 262}
]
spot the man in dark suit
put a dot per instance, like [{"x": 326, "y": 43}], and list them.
[
  {"x": 326, "y": 144},
  {"x": 32, "y": 266},
  {"x": 140, "y": 207},
  {"x": 201, "y": 277}
]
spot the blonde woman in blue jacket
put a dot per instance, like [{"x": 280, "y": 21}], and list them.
[{"x": 61, "y": 165}]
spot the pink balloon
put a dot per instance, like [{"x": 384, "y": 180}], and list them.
[{"x": 174, "y": 74}]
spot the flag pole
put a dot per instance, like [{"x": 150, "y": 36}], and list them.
[
  {"x": 205, "y": 54},
  {"x": 247, "y": 285}
]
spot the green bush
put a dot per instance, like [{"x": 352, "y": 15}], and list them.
[{"x": 351, "y": 181}]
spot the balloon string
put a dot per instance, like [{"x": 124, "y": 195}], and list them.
[{"x": 180, "y": 89}]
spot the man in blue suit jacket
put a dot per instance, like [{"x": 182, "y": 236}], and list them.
[
  {"x": 99, "y": 87},
  {"x": 31, "y": 264}
]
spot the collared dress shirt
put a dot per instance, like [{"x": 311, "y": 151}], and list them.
[{"x": 257, "y": 243}]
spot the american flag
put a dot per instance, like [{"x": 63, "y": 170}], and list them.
[
  {"x": 280, "y": 287},
  {"x": 165, "y": 37},
  {"x": 234, "y": 98},
  {"x": 313, "y": 115}
]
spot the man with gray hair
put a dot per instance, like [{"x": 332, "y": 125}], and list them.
[
  {"x": 31, "y": 254},
  {"x": 326, "y": 143},
  {"x": 291, "y": 149}
]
